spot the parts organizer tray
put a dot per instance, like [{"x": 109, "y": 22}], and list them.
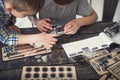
[
  {"x": 48, "y": 73},
  {"x": 115, "y": 70},
  {"x": 21, "y": 51},
  {"x": 101, "y": 63}
]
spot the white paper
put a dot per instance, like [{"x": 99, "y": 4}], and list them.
[{"x": 87, "y": 45}]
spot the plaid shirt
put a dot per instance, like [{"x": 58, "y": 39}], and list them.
[{"x": 7, "y": 36}]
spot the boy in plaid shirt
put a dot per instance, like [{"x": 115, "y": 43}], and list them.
[{"x": 9, "y": 33}]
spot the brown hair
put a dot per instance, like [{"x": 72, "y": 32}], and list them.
[
  {"x": 26, "y": 5},
  {"x": 63, "y": 2}
]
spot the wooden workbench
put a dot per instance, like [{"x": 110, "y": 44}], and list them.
[{"x": 11, "y": 70}]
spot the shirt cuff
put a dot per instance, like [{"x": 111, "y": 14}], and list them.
[{"x": 13, "y": 38}]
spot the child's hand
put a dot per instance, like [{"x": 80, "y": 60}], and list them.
[
  {"x": 46, "y": 39},
  {"x": 72, "y": 27},
  {"x": 43, "y": 25}
]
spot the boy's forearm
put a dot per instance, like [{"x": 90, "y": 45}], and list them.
[
  {"x": 88, "y": 20},
  {"x": 26, "y": 39}
]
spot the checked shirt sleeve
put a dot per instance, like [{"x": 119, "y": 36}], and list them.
[{"x": 8, "y": 37}]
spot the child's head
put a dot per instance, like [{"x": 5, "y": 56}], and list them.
[
  {"x": 22, "y": 8},
  {"x": 63, "y": 2}
]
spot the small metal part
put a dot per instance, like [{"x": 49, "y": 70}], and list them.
[
  {"x": 112, "y": 29},
  {"x": 57, "y": 30}
]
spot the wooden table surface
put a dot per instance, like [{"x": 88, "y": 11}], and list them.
[{"x": 11, "y": 70}]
